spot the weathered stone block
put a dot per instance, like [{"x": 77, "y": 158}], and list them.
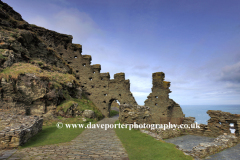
[
  {"x": 88, "y": 114},
  {"x": 134, "y": 113},
  {"x": 19, "y": 129}
]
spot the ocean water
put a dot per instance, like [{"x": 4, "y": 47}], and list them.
[{"x": 200, "y": 111}]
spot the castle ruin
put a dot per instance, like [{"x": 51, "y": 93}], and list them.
[
  {"x": 23, "y": 42},
  {"x": 163, "y": 109}
]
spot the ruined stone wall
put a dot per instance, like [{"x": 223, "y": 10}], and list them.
[
  {"x": 163, "y": 109},
  {"x": 128, "y": 114},
  {"x": 97, "y": 86},
  {"x": 15, "y": 130},
  {"x": 219, "y": 122},
  {"x": 31, "y": 41}
]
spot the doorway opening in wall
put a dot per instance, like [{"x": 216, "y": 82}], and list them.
[
  {"x": 113, "y": 107},
  {"x": 232, "y": 129}
]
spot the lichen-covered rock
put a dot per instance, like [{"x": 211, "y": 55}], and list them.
[
  {"x": 88, "y": 114},
  {"x": 188, "y": 120},
  {"x": 33, "y": 93},
  {"x": 15, "y": 130},
  {"x": 134, "y": 113}
]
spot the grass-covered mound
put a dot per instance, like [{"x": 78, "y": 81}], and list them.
[
  {"x": 140, "y": 146},
  {"x": 40, "y": 69},
  {"x": 83, "y": 104}
]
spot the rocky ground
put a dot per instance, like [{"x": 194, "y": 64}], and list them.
[{"x": 187, "y": 142}]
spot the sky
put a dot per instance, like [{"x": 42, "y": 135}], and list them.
[{"x": 194, "y": 42}]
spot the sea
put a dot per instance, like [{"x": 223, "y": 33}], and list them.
[{"x": 200, "y": 111}]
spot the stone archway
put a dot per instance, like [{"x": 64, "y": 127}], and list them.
[{"x": 111, "y": 101}]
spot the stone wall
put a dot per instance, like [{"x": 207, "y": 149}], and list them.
[
  {"x": 163, "y": 109},
  {"x": 24, "y": 42},
  {"x": 212, "y": 129},
  {"x": 129, "y": 114},
  {"x": 219, "y": 144},
  {"x": 32, "y": 42},
  {"x": 15, "y": 130},
  {"x": 219, "y": 122}
]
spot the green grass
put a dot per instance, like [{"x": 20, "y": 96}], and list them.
[
  {"x": 83, "y": 104},
  {"x": 50, "y": 134},
  {"x": 113, "y": 113},
  {"x": 2, "y": 57},
  {"x": 140, "y": 146}
]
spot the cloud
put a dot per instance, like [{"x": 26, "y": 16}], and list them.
[
  {"x": 69, "y": 21},
  {"x": 231, "y": 73}
]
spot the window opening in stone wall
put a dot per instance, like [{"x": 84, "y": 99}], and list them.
[
  {"x": 84, "y": 64},
  {"x": 105, "y": 94},
  {"x": 104, "y": 101},
  {"x": 155, "y": 104},
  {"x": 156, "y": 96},
  {"x": 93, "y": 72},
  {"x": 77, "y": 77},
  {"x": 77, "y": 71},
  {"x": 82, "y": 86},
  {"x": 28, "y": 111},
  {"x": 232, "y": 129},
  {"x": 61, "y": 54},
  {"x": 90, "y": 78},
  {"x": 92, "y": 86},
  {"x": 101, "y": 78},
  {"x": 75, "y": 56},
  {"x": 120, "y": 95},
  {"x": 69, "y": 62},
  {"x": 104, "y": 86}
]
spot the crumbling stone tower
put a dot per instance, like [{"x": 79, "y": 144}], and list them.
[{"x": 162, "y": 108}]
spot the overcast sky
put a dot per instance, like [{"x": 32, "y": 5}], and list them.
[{"x": 196, "y": 43}]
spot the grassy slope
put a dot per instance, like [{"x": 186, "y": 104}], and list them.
[
  {"x": 140, "y": 146},
  {"x": 20, "y": 68}
]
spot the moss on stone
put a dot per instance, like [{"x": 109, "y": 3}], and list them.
[
  {"x": 166, "y": 84},
  {"x": 83, "y": 104},
  {"x": 77, "y": 46}
]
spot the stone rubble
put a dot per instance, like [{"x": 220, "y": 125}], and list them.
[
  {"x": 15, "y": 130},
  {"x": 220, "y": 143}
]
